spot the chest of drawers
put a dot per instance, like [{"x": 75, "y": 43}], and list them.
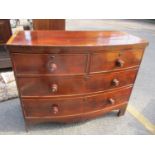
[{"x": 68, "y": 76}]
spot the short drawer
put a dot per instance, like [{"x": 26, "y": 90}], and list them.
[
  {"x": 73, "y": 85},
  {"x": 49, "y": 63},
  {"x": 115, "y": 60},
  {"x": 73, "y": 106}
]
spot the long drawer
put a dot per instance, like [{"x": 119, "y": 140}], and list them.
[
  {"x": 72, "y": 85},
  {"x": 115, "y": 60},
  {"x": 71, "y": 106},
  {"x": 49, "y": 63}
]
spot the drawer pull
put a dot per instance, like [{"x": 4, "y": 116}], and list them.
[
  {"x": 115, "y": 82},
  {"x": 52, "y": 57},
  {"x": 111, "y": 101},
  {"x": 55, "y": 109},
  {"x": 54, "y": 88},
  {"x": 52, "y": 67},
  {"x": 119, "y": 63}
]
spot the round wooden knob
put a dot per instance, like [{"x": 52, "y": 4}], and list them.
[
  {"x": 119, "y": 63},
  {"x": 55, "y": 109},
  {"x": 111, "y": 100},
  {"x": 52, "y": 57},
  {"x": 54, "y": 88},
  {"x": 115, "y": 82},
  {"x": 52, "y": 66}
]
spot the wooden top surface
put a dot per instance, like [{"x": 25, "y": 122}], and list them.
[{"x": 74, "y": 38}]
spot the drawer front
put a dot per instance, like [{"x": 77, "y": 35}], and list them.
[
  {"x": 49, "y": 63},
  {"x": 71, "y": 106},
  {"x": 48, "y": 107},
  {"x": 115, "y": 60},
  {"x": 72, "y": 85},
  {"x": 104, "y": 100}
]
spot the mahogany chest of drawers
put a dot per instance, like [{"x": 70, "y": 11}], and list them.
[{"x": 68, "y": 76}]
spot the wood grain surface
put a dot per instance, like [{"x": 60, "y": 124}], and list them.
[{"x": 69, "y": 76}]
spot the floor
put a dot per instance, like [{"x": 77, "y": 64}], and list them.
[{"x": 140, "y": 116}]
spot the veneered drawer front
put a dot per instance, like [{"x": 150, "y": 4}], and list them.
[
  {"x": 115, "y": 60},
  {"x": 73, "y": 106},
  {"x": 49, "y": 63},
  {"x": 72, "y": 85},
  {"x": 49, "y": 107},
  {"x": 112, "y": 98}
]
